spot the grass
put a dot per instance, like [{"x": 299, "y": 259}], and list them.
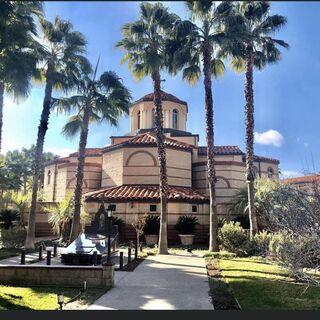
[
  {"x": 259, "y": 284},
  {"x": 7, "y": 253},
  {"x": 15, "y": 298}
]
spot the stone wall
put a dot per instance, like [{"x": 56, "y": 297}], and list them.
[{"x": 61, "y": 276}]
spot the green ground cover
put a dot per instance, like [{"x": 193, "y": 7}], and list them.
[
  {"x": 259, "y": 284},
  {"x": 15, "y": 298}
]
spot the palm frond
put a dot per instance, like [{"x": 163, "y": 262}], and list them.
[{"x": 73, "y": 126}]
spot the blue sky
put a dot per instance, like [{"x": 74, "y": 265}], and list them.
[{"x": 286, "y": 94}]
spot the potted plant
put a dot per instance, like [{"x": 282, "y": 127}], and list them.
[
  {"x": 151, "y": 230},
  {"x": 186, "y": 226}
]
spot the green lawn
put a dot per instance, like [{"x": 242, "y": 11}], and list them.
[
  {"x": 13, "y": 298},
  {"x": 7, "y": 253},
  {"x": 261, "y": 285}
]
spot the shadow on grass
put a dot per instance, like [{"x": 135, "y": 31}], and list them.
[{"x": 10, "y": 303}]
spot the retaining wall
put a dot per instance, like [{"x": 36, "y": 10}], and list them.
[{"x": 57, "y": 276}]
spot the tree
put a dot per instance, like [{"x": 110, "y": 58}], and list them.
[
  {"x": 97, "y": 100},
  {"x": 253, "y": 46},
  {"x": 18, "y": 49},
  {"x": 191, "y": 46},
  {"x": 144, "y": 42},
  {"x": 63, "y": 62},
  {"x": 60, "y": 217},
  {"x": 138, "y": 225}
]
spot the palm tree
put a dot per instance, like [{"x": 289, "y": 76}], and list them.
[
  {"x": 97, "y": 100},
  {"x": 191, "y": 46},
  {"x": 63, "y": 62},
  {"x": 144, "y": 42},
  {"x": 18, "y": 58},
  {"x": 254, "y": 46}
]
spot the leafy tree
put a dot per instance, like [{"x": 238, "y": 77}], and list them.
[
  {"x": 62, "y": 64},
  {"x": 144, "y": 42},
  {"x": 97, "y": 100},
  {"x": 18, "y": 49},
  {"x": 253, "y": 46},
  {"x": 194, "y": 47},
  {"x": 7, "y": 217}
]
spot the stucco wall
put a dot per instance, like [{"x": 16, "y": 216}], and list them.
[
  {"x": 112, "y": 168},
  {"x": 146, "y": 109}
]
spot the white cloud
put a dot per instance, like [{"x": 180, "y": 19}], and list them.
[
  {"x": 62, "y": 152},
  {"x": 270, "y": 137},
  {"x": 289, "y": 174}
]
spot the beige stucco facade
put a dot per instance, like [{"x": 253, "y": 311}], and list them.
[{"x": 132, "y": 159}]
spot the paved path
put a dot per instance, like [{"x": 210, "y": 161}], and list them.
[{"x": 160, "y": 282}]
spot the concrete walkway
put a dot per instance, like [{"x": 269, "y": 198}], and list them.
[{"x": 169, "y": 282}]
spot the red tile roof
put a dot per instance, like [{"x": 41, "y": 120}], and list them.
[
  {"x": 145, "y": 192},
  {"x": 265, "y": 159},
  {"x": 221, "y": 150},
  {"x": 89, "y": 152},
  {"x": 164, "y": 97},
  {"x": 304, "y": 179},
  {"x": 149, "y": 139}
]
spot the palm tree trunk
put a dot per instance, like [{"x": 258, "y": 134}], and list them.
[
  {"x": 163, "y": 235},
  {"x": 249, "y": 122},
  {"x": 207, "y": 56},
  {"x": 75, "y": 229},
  {"x": 42, "y": 129},
  {"x": 1, "y": 111}
]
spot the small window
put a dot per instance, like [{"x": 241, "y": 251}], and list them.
[
  {"x": 49, "y": 176},
  {"x": 175, "y": 119},
  {"x": 270, "y": 172},
  {"x": 139, "y": 119},
  {"x": 194, "y": 209},
  {"x": 153, "y": 207},
  {"x": 153, "y": 118},
  {"x": 113, "y": 207}
]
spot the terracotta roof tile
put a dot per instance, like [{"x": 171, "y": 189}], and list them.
[
  {"x": 89, "y": 152},
  {"x": 149, "y": 139},
  {"x": 221, "y": 150},
  {"x": 266, "y": 159},
  {"x": 146, "y": 192},
  {"x": 304, "y": 179},
  {"x": 164, "y": 97}
]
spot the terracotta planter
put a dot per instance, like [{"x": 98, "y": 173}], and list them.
[
  {"x": 151, "y": 239},
  {"x": 186, "y": 239}
]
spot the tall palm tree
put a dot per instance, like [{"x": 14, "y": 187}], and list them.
[
  {"x": 193, "y": 47},
  {"x": 18, "y": 49},
  {"x": 144, "y": 42},
  {"x": 97, "y": 100},
  {"x": 62, "y": 64},
  {"x": 254, "y": 46}
]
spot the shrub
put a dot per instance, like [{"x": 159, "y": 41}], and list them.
[
  {"x": 13, "y": 238},
  {"x": 152, "y": 225},
  {"x": 234, "y": 238},
  {"x": 117, "y": 221},
  {"x": 259, "y": 246},
  {"x": 186, "y": 225},
  {"x": 7, "y": 217},
  {"x": 243, "y": 219}
]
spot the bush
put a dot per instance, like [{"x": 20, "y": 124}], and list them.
[
  {"x": 186, "y": 225},
  {"x": 13, "y": 238},
  {"x": 243, "y": 219},
  {"x": 234, "y": 238},
  {"x": 152, "y": 225},
  {"x": 117, "y": 221},
  {"x": 7, "y": 217},
  {"x": 259, "y": 246}
]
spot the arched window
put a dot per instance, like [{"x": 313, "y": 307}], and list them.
[
  {"x": 175, "y": 116},
  {"x": 153, "y": 118},
  {"x": 270, "y": 172},
  {"x": 49, "y": 176},
  {"x": 139, "y": 119}
]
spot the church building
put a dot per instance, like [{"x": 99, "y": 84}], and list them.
[{"x": 126, "y": 172}]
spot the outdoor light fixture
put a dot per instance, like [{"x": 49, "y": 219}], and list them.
[
  {"x": 109, "y": 212},
  {"x": 60, "y": 300}
]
